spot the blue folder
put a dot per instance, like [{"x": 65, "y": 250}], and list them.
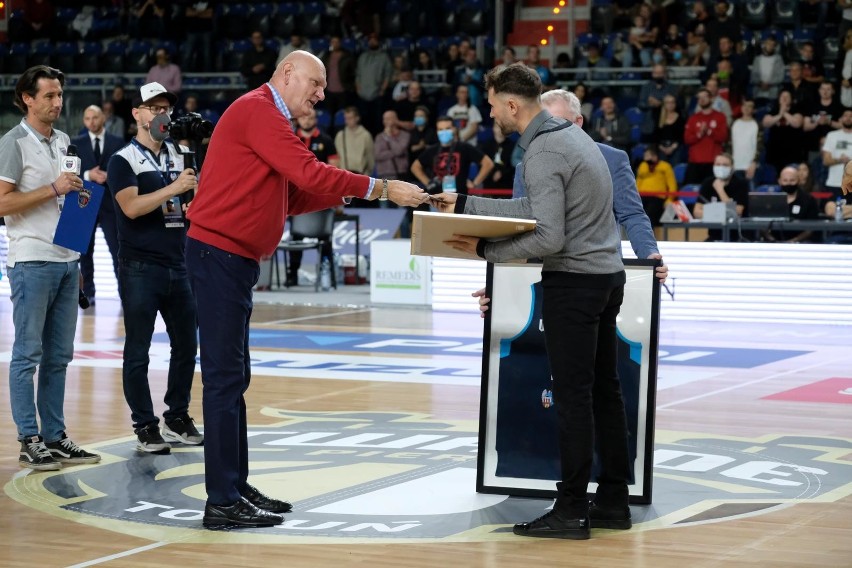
[{"x": 78, "y": 217}]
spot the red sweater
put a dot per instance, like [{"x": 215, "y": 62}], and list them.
[
  {"x": 704, "y": 147},
  {"x": 257, "y": 171}
]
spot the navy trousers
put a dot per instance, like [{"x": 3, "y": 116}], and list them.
[{"x": 222, "y": 283}]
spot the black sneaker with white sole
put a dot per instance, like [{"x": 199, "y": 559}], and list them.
[
  {"x": 65, "y": 451},
  {"x": 150, "y": 441},
  {"x": 182, "y": 429},
  {"x": 35, "y": 455}
]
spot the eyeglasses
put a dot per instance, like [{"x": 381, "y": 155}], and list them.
[{"x": 158, "y": 109}]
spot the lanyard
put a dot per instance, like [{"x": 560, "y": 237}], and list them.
[
  {"x": 163, "y": 171},
  {"x": 52, "y": 156}
]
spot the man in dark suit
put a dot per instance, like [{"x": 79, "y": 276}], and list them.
[{"x": 95, "y": 147}]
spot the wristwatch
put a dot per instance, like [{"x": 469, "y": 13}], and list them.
[{"x": 384, "y": 195}]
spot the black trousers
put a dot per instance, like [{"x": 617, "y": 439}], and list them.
[
  {"x": 579, "y": 312},
  {"x": 106, "y": 219}
]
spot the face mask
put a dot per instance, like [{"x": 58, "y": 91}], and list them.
[
  {"x": 159, "y": 127},
  {"x": 676, "y": 55},
  {"x": 723, "y": 75},
  {"x": 790, "y": 189},
  {"x": 419, "y": 121},
  {"x": 658, "y": 58},
  {"x": 722, "y": 172},
  {"x": 445, "y": 137}
]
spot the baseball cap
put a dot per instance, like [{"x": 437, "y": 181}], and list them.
[{"x": 152, "y": 90}]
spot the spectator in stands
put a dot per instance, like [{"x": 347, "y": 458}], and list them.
[
  {"x": 700, "y": 19},
  {"x": 124, "y": 110},
  {"x": 452, "y": 59},
  {"x": 813, "y": 70},
  {"x": 323, "y": 148},
  {"x": 729, "y": 89},
  {"x": 509, "y": 56},
  {"x": 354, "y": 145},
  {"x": 656, "y": 183},
  {"x": 258, "y": 62},
  {"x": 165, "y": 72},
  {"x": 652, "y": 94},
  {"x": 668, "y": 131},
  {"x": 705, "y": 134},
  {"x": 806, "y": 180},
  {"x": 113, "y": 124},
  {"x": 846, "y": 17},
  {"x": 407, "y": 107},
  {"x": 424, "y": 61},
  {"x": 846, "y": 69},
  {"x": 372, "y": 78},
  {"x": 499, "y": 149},
  {"x": 820, "y": 119},
  {"x": 197, "y": 45},
  {"x": 802, "y": 91},
  {"x": 642, "y": 40},
  {"x": 727, "y": 52},
  {"x": 747, "y": 142},
  {"x": 445, "y": 166},
  {"x": 400, "y": 80},
  {"x": 466, "y": 117},
  {"x": 534, "y": 62},
  {"x": 593, "y": 59},
  {"x": 609, "y": 127},
  {"x": 672, "y": 37},
  {"x": 297, "y": 42},
  {"x": 722, "y": 186},
  {"x": 422, "y": 135},
  {"x": 472, "y": 75},
  {"x": 723, "y": 25},
  {"x": 836, "y": 152},
  {"x": 718, "y": 103},
  {"x": 678, "y": 57},
  {"x": 801, "y": 206},
  {"x": 38, "y": 18},
  {"x": 767, "y": 72},
  {"x": 148, "y": 19},
  {"x": 340, "y": 68},
  {"x": 391, "y": 147},
  {"x": 785, "y": 137},
  {"x": 586, "y": 108}
]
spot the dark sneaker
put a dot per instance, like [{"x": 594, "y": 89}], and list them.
[
  {"x": 182, "y": 430},
  {"x": 555, "y": 525},
  {"x": 240, "y": 514},
  {"x": 609, "y": 518},
  {"x": 65, "y": 451},
  {"x": 35, "y": 455},
  {"x": 261, "y": 501},
  {"x": 150, "y": 440}
]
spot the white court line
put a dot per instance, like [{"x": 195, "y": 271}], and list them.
[
  {"x": 305, "y": 318},
  {"x": 130, "y": 552},
  {"x": 754, "y": 382}
]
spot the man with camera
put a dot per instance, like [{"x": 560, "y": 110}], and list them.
[{"x": 150, "y": 183}]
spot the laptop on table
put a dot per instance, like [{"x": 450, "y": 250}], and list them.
[{"x": 768, "y": 207}]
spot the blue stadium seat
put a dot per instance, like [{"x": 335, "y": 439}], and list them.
[
  {"x": 399, "y": 45},
  {"x": 768, "y": 188},
  {"x": 392, "y": 17},
  {"x": 232, "y": 19},
  {"x": 637, "y": 154},
  {"x": 691, "y": 188},
  {"x": 635, "y": 134},
  {"x": 211, "y": 115},
  {"x": 350, "y": 45},
  {"x": 785, "y": 13},
  {"x": 138, "y": 59},
  {"x": 753, "y": 13},
  {"x": 17, "y": 59},
  {"x": 473, "y": 17},
  {"x": 634, "y": 115},
  {"x": 323, "y": 120},
  {"x": 831, "y": 49},
  {"x": 428, "y": 43},
  {"x": 339, "y": 119},
  {"x": 89, "y": 59},
  {"x": 40, "y": 52},
  {"x": 319, "y": 45},
  {"x": 766, "y": 175},
  {"x": 260, "y": 18},
  {"x": 447, "y": 21},
  {"x": 310, "y": 21},
  {"x": 680, "y": 173}
]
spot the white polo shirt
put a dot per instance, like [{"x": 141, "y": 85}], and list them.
[
  {"x": 837, "y": 143},
  {"x": 29, "y": 161}
]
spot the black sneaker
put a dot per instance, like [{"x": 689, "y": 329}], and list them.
[
  {"x": 609, "y": 518},
  {"x": 35, "y": 455},
  {"x": 65, "y": 451},
  {"x": 150, "y": 440},
  {"x": 182, "y": 430},
  {"x": 555, "y": 524}
]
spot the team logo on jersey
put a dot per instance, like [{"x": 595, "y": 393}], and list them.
[
  {"x": 374, "y": 477},
  {"x": 547, "y": 398}
]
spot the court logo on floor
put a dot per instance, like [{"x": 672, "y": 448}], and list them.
[{"x": 380, "y": 477}]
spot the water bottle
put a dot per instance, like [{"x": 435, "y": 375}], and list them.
[
  {"x": 325, "y": 275},
  {"x": 838, "y": 211}
]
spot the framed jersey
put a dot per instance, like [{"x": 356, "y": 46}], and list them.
[{"x": 518, "y": 448}]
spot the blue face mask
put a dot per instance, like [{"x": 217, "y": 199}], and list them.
[
  {"x": 445, "y": 136},
  {"x": 676, "y": 55},
  {"x": 657, "y": 57},
  {"x": 419, "y": 121}
]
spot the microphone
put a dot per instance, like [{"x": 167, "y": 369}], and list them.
[
  {"x": 71, "y": 161},
  {"x": 160, "y": 127}
]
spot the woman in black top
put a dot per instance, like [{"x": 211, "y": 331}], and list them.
[{"x": 668, "y": 131}]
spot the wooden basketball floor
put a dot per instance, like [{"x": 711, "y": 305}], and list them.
[{"x": 727, "y": 404}]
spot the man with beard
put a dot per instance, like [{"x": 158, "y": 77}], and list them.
[{"x": 705, "y": 134}]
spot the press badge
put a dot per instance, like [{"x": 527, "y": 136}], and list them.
[
  {"x": 796, "y": 209},
  {"x": 448, "y": 184},
  {"x": 172, "y": 214}
]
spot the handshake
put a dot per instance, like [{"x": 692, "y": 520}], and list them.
[{"x": 409, "y": 195}]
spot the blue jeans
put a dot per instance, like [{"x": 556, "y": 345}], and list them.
[
  {"x": 222, "y": 283},
  {"x": 44, "y": 311},
  {"x": 145, "y": 289}
]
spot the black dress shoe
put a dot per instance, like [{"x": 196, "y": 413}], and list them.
[
  {"x": 609, "y": 518},
  {"x": 240, "y": 514},
  {"x": 265, "y": 502},
  {"x": 555, "y": 525}
]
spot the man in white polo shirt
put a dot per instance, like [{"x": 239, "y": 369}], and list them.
[
  {"x": 836, "y": 152},
  {"x": 43, "y": 277}
]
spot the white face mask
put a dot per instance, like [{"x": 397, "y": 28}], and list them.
[{"x": 722, "y": 172}]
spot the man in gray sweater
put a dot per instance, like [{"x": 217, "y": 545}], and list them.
[{"x": 569, "y": 194}]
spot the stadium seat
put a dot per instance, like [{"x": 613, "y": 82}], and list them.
[
  {"x": 40, "y": 52},
  {"x": 680, "y": 173},
  {"x": 753, "y": 13},
  {"x": 138, "y": 59},
  {"x": 16, "y": 62},
  {"x": 634, "y": 115},
  {"x": 831, "y": 49},
  {"x": 785, "y": 13},
  {"x": 637, "y": 154},
  {"x": 635, "y": 134},
  {"x": 323, "y": 120},
  {"x": 472, "y": 17},
  {"x": 88, "y": 60},
  {"x": 310, "y": 21},
  {"x": 392, "y": 18},
  {"x": 766, "y": 175},
  {"x": 319, "y": 45},
  {"x": 64, "y": 56},
  {"x": 339, "y": 119},
  {"x": 17, "y": 27},
  {"x": 399, "y": 46},
  {"x": 260, "y": 18},
  {"x": 447, "y": 21},
  {"x": 233, "y": 19},
  {"x": 234, "y": 55},
  {"x": 284, "y": 19},
  {"x": 768, "y": 188},
  {"x": 690, "y": 188}
]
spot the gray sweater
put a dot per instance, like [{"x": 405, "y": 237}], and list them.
[{"x": 569, "y": 194}]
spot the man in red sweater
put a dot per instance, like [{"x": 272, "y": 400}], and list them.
[
  {"x": 256, "y": 173},
  {"x": 705, "y": 134}
]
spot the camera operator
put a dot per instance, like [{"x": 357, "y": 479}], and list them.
[{"x": 149, "y": 181}]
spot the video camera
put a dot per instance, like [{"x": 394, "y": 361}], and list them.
[{"x": 190, "y": 127}]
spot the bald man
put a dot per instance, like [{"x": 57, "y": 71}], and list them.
[
  {"x": 95, "y": 147},
  {"x": 256, "y": 173}
]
